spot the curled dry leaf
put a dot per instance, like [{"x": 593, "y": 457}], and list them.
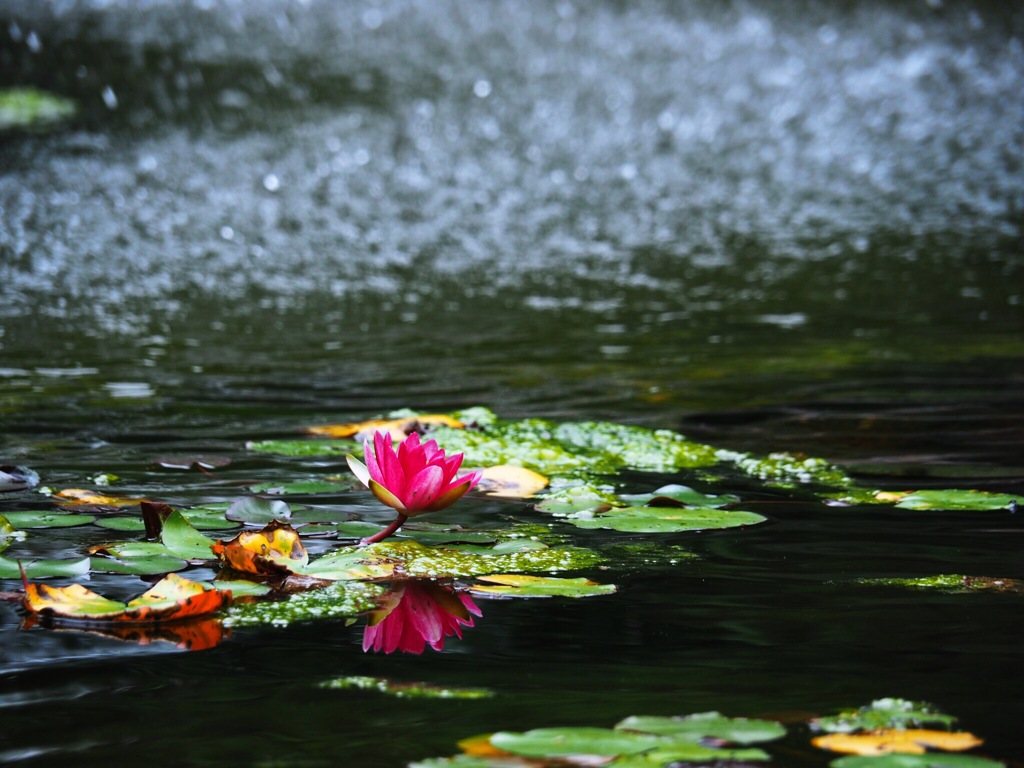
[
  {"x": 913, "y": 741},
  {"x": 275, "y": 549},
  {"x": 399, "y": 429},
  {"x": 70, "y": 497},
  {"x": 510, "y": 481},
  {"x": 173, "y": 598}
]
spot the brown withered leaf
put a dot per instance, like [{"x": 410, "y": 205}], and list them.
[{"x": 274, "y": 550}]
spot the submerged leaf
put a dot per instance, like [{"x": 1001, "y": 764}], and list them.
[
  {"x": 883, "y": 742},
  {"x": 404, "y": 690},
  {"x": 519, "y": 585},
  {"x": 171, "y": 599}
]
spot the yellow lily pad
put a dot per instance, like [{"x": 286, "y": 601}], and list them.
[
  {"x": 913, "y": 741},
  {"x": 510, "y": 481},
  {"x": 397, "y": 428}
]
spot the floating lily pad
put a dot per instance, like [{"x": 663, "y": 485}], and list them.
[
  {"x": 209, "y": 517},
  {"x": 404, "y": 690},
  {"x": 123, "y": 524},
  {"x": 398, "y": 427},
  {"x": 182, "y": 539},
  {"x": 43, "y": 569},
  {"x": 563, "y": 742},
  {"x": 301, "y": 487},
  {"x": 142, "y": 558},
  {"x": 29, "y": 108},
  {"x": 512, "y": 482},
  {"x": 706, "y": 725},
  {"x": 883, "y": 713},
  {"x": 46, "y": 519},
  {"x": 240, "y": 587},
  {"x": 520, "y": 585},
  {"x": 301, "y": 448},
  {"x": 679, "y": 496},
  {"x": 335, "y": 601},
  {"x": 955, "y": 500},
  {"x": 933, "y": 760},
  {"x": 663, "y": 519},
  {"x": 258, "y": 511}
]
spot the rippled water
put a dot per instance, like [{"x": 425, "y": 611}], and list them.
[{"x": 770, "y": 226}]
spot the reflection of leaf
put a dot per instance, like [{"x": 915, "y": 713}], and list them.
[
  {"x": 518, "y": 585},
  {"x": 510, "y": 481},
  {"x": 275, "y": 549},
  {"x": 882, "y": 742},
  {"x": 202, "y": 462},
  {"x": 705, "y": 725},
  {"x": 397, "y": 428},
  {"x": 404, "y": 690},
  {"x": 195, "y": 635},
  {"x": 171, "y": 599}
]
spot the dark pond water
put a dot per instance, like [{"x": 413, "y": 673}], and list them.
[{"x": 769, "y": 226}]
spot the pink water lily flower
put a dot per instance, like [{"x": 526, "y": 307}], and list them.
[
  {"x": 413, "y": 479},
  {"x": 417, "y": 614}
]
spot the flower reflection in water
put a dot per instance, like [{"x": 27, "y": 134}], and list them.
[{"x": 418, "y": 613}]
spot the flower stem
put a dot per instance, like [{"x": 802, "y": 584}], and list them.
[{"x": 380, "y": 536}]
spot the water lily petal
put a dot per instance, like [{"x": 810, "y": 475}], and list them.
[
  {"x": 392, "y": 476},
  {"x": 387, "y": 497},
  {"x": 359, "y": 469},
  {"x": 424, "y": 488},
  {"x": 449, "y": 497}
]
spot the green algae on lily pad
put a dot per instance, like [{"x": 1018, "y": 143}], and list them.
[
  {"x": 301, "y": 448},
  {"x": 929, "y": 760},
  {"x": 43, "y": 569},
  {"x": 952, "y": 582},
  {"x": 523, "y": 585},
  {"x": 787, "y": 470},
  {"x": 706, "y": 725},
  {"x": 38, "y": 518},
  {"x": 338, "y": 600},
  {"x": 883, "y": 713},
  {"x": 30, "y": 108},
  {"x": 410, "y": 559},
  {"x": 404, "y": 690},
  {"x": 424, "y": 533}
]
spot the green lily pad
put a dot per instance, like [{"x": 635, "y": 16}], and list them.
[
  {"x": 704, "y": 725},
  {"x": 302, "y": 448},
  {"x": 123, "y": 524},
  {"x": 663, "y": 519},
  {"x": 469, "y": 761},
  {"x": 404, "y": 690},
  {"x": 239, "y": 587},
  {"x": 32, "y": 108},
  {"x": 678, "y": 495},
  {"x": 339, "y": 600},
  {"x": 209, "y": 518},
  {"x": 883, "y": 713},
  {"x": 519, "y": 585},
  {"x": 955, "y": 500},
  {"x": 258, "y": 511},
  {"x": 183, "y": 540},
  {"x": 562, "y": 742},
  {"x": 930, "y": 760},
  {"x": 38, "y": 518},
  {"x": 142, "y": 558},
  {"x": 301, "y": 487},
  {"x": 43, "y": 569}
]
